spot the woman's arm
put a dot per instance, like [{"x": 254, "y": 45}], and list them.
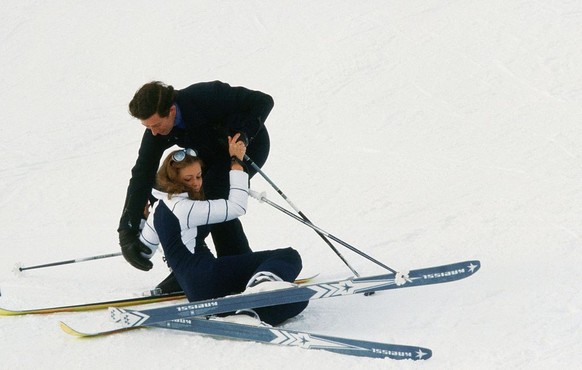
[
  {"x": 203, "y": 212},
  {"x": 221, "y": 210}
]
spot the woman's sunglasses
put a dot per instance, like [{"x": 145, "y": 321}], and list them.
[{"x": 180, "y": 155}]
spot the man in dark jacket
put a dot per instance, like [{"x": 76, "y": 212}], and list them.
[{"x": 200, "y": 117}]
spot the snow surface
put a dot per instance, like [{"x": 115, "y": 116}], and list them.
[{"x": 421, "y": 132}]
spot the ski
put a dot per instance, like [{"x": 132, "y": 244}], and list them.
[
  {"x": 425, "y": 276},
  {"x": 113, "y": 303},
  {"x": 94, "y": 305},
  {"x": 283, "y": 337},
  {"x": 302, "y": 339}
]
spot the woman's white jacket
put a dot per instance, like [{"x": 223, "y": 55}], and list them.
[{"x": 194, "y": 213}]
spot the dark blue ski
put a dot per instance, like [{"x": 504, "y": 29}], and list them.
[
  {"x": 426, "y": 276},
  {"x": 277, "y": 336},
  {"x": 293, "y": 338}
]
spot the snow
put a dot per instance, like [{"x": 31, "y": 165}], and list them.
[{"x": 421, "y": 132}]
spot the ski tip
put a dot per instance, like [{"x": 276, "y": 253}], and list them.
[
  {"x": 473, "y": 266},
  {"x": 306, "y": 280},
  {"x": 79, "y": 334},
  {"x": 67, "y": 329},
  {"x": 7, "y": 312},
  {"x": 422, "y": 354}
]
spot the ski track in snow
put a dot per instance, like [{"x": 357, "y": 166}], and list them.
[{"x": 422, "y": 133}]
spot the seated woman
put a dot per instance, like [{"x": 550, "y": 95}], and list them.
[{"x": 179, "y": 222}]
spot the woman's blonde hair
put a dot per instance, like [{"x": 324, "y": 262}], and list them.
[{"x": 168, "y": 176}]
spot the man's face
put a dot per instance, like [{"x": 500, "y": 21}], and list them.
[{"x": 160, "y": 125}]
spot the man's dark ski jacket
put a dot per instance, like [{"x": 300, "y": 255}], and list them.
[{"x": 210, "y": 111}]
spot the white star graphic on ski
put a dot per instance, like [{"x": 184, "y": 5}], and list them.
[{"x": 472, "y": 267}]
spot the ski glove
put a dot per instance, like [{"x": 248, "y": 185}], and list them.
[{"x": 132, "y": 250}]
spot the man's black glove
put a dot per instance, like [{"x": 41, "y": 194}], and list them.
[{"x": 132, "y": 249}]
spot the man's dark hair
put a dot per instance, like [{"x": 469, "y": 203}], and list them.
[{"x": 153, "y": 97}]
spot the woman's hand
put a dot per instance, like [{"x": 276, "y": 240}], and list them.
[{"x": 236, "y": 148}]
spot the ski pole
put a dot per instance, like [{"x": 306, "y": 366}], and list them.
[
  {"x": 323, "y": 236},
  {"x": 20, "y": 268},
  {"x": 263, "y": 198}
]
